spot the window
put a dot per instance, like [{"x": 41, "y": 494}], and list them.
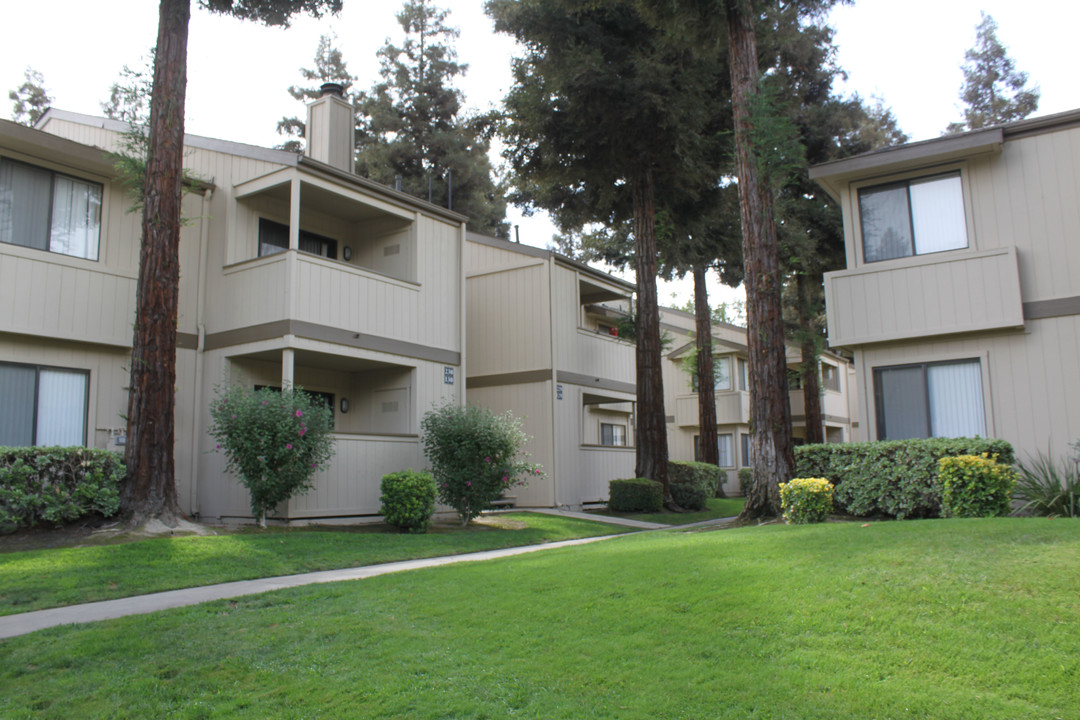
[
  {"x": 723, "y": 446},
  {"x": 744, "y": 374},
  {"x": 612, "y": 434},
  {"x": 913, "y": 217},
  {"x": 721, "y": 375},
  {"x": 327, "y": 398},
  {"x": 794, "y": 378},
  {"x": 746, "y": 450},
  {"x": 830, "y": 377},
  {"x": 45, "y": 210},
  {"x": 274, "y": 238},
  {"x": 929, "y": 400},
  {"x": 42, "y": 405}
]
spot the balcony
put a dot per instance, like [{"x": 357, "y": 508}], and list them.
[
  {"x": 732, "y": 408},
  {"x": 923, "y": 296}
]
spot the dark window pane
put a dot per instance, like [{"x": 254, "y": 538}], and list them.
[
  {"x": 745, "y": 450},
  {"x": 17, "y": 394},
  {"x": 273, "y": 237},
  {"x": 25, "y": 193},
  {"x": 886, "y": 223},
  {"x": 900, "y": 395}
]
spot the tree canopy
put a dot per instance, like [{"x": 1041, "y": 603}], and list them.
[
  {"x": 31, "y": 99},
  {"x": 994, "y": 91},
  {"x": 329, "y": 68}
]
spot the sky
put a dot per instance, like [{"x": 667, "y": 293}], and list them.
[{"x": 906, "y": 54}]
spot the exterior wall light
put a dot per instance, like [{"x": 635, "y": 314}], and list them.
[{"x": 344, "y": 405}]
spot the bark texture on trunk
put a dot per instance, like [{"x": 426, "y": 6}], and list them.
[
  {"x": 770, "y": 411},
  {"x": 652, "y": 451},
  {"x": 710, "y": 452},
  {"x": 150, "y": 490},
  {"x": 811, "y": 384}
]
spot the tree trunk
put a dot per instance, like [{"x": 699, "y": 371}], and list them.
[
  {"x": 150, "y": 490},
  {"x": 651, "y": 456},
  {"x": 707, "y": 439},
  {"x": 770, "y": 411},
  {"x": 811, "y": 386}
]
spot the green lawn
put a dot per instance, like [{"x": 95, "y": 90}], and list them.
[
  {"x": 941, "y": 619},
  {"x": 36, "y": 579},
  {"x": 715, "y": 508}
]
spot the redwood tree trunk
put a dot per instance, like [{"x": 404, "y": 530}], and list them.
[
  {"x": 770, "y": 411},
  {"x": 651, "y": 442},
  {"x": 710, "y": 452},
  {"x": 150, "y": 490},
  {"x": 811, "y": 386}
]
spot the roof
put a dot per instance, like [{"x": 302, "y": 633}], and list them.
[
  {"x": 255, "y": 152},
  {"x": 52, "y": 147},
  {"x": 836, "y": 174},
  {"x": 549, "y": 254}
]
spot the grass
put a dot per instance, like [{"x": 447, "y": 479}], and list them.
[
  {"x": 715, "y": 508},
  {"x": 36, "y": 579},
  {"x": 942, "y": 619}
]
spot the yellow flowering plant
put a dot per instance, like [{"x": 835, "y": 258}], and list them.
[{"x": 806, "y": 500}]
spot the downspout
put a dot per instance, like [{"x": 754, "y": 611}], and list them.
[
  {"x": 200, "y": 349},
  {"x": 462, "y": 308},
  {"x": 553, "y": 397}
]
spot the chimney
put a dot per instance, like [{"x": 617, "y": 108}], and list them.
[{"x": 331, "y": 128}]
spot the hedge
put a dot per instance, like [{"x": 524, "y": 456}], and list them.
[
  {"x": 408, "y": 500},
  {"x": 635, "y": 495},
  {"x": 57, "y": 484},
  {"x": 704, "y": 476},
  {"x": 897, "y": 478}
]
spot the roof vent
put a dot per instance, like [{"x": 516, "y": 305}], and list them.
[{"x": 332, "y": 88}]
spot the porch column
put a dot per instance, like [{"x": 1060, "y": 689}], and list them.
[
  {"x": 288, "y": 362},
  {"x": 294, "y": 214}
]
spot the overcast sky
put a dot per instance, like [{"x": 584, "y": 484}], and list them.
[{"x": 908, "y": 54}]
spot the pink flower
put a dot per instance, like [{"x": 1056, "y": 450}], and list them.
[
  {"x": 289, "y": 446},
  {"x": 265, "y": 402},
  {"x": 299, "y": 413},
  {"x": 219, "y": 446},
  {"x": 487, "y": 459},
  {"x": 505, "y": 478},
  {"x": 303, "y": 431},
  {"x": 312, "y": 465},
  {"x": 468, "y": 483},
  {"x": 538, "y": 471}
]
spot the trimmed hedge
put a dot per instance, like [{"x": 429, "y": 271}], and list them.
[
  {"x": 704, "y": 476},
  {"x": 746, "y": 478},
  {"x": 806, "y": 500},
  {"x": 898, "y": 478},
  {"x": 687, "y": 496},
  {"x": 57, "y": 484},
  {"x": 635, "y": 495},
  {"x": 976, "y": 486},
  {"x": 408, "y": 500}
]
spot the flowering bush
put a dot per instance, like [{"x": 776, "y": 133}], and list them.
[
  {"x": 274, "y": 441},
  {"x": 806, "y": 500},
  {"x": 408, "y": 500},
  {"x": 475, "y": 456},
  {"x": 975, "y": 486}
]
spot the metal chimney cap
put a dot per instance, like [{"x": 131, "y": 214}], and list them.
[{"x": 332, "y": 88}]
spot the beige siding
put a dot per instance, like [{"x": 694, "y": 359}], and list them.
[
  {"x": 936, "y": 295},
  {"x": 580, "y": 350},
  {"x": 509, "y": 328},
  {"x": 584, "y": 471}
]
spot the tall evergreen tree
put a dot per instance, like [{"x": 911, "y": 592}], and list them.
[
  {"x": 329, "y": 68},
  {"x": 150, "y": 490},
  {"x": 31, "y": 99},
  {"x": 605, "y": 110},
  {"x": 129, "y": 97},
  {"x": 994, "y": 91},
  {"x": 413, "y": 133}
]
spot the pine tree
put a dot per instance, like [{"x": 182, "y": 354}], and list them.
[
  {"x": 994, "y": 91},
  {"x": 129, "y": 97},
  {"x": 329, "y": 68},
  {"x": 30, "y": 99},
  {"x": 413, "y": 132}
]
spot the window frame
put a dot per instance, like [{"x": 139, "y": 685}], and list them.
[
  {"x": 613, "y": 426},
  {"x": 831, "y": 387},
  {"x": 332, "y": 243},
  {"x": 906, "y": 179},
  {"x": 875, "y": 388},
  {"x": 37, "y": 368},
  {"x": 55, "y": 173},
  {"x": 719, "y": 452}
]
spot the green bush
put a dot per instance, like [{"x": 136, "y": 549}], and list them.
[
  {"x": 408, "y": 500},
  {"x": 898, "y": 478},
  {"x": 635, "y": 495},
  {"x": 475, "y": 456},
  {"x": 274, "y": 441},
  {"x": 57, "y": 484},
  {"x": 704, "y": 476},
  {"x": 806, "y": 500},
  {"x": 1046, "y": 489},
  {"x": 687, "y": 496},
  {"x": 746, "y": 479},
  {"x": 975, "y": 486}
]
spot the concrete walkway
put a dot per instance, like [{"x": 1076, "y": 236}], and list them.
[{"x": 28, "y": 622}]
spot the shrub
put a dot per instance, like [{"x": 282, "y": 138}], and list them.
[
  {"x": 705, "y": 476},
  {"x": 274, "y": 441},
  {"x": 57, "y": 484},
  {"x": 475, "y": 456},
  {"x": 687, "y": 496},
  {"x": 975, "y": 486},
  {"x": 1047, "y": 490},
  {"x": 898, "y": 478},
  {"x": 635, "y": 495},
  {"x": 408, "y": 500},
  {"x": 806, "y": 500},
  {"x": 746, "y": 479}
]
